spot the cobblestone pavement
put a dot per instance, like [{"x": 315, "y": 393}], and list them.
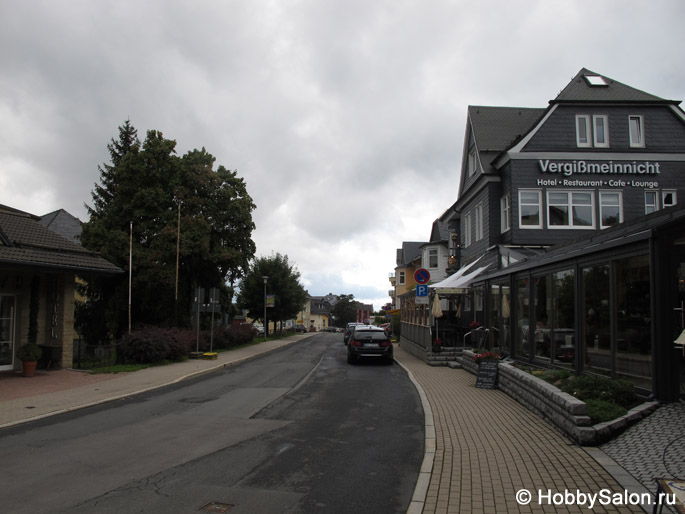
[{"x": 654, "y": 448}]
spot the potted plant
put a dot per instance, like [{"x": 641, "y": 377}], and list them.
[{"x": 29, "y": 354}]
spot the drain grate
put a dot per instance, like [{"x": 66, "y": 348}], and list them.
[{"x": 217, "y": 507}]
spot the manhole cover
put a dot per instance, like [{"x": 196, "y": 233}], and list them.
[{"x": 217, "y": 507}]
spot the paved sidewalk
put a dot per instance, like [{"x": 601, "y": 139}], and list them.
[
  {"x": 55, "y": 392},
  {"x": 487, "y": 447}
]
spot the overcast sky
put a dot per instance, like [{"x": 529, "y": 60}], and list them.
[{"x": 345, "y": 118}]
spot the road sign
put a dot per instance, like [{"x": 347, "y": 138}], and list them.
[
  {"x": 422, "y": 276},
  {"x": 422, "y": 290},
  {"x": 421, "y": 300}
]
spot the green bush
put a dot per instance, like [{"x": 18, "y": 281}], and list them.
[
  {"x": 588, "y": 387},
  {"x": 601, "y": 411},
  {"x": 154, "y": 345}
]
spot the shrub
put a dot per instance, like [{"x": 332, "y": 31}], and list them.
[
  {"x": 588, "y": 387},
  {"x": 601, "y": 411},
  {"x": 153, "y": 345}
]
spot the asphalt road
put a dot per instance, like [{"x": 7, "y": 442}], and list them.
[{"x": 295, "y": 431}]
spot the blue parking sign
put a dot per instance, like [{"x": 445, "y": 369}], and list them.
[{"x": 422, "y": 290}]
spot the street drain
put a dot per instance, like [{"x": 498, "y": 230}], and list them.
[{"x": 217, "y": 507}]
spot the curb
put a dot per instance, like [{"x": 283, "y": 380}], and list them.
[
  {"x": 151, "y": 388},
  {"x": 418, "y": 499}
]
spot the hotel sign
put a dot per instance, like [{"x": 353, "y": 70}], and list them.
[
  {"x": 568, "y": 168},
  {"x": 611, "y": 174}
]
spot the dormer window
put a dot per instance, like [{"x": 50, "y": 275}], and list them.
[{"x": 473, "y": 162}]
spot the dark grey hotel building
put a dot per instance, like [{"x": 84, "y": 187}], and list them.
[{"x": 575, "y": 210}]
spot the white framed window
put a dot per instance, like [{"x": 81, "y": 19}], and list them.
[
  {"x": 637, "y": 131},
  {"x": 473, "y": 162},
  {"x": 592, "y": 134},
  {"x": 668, "y": 198},
  {"x": 651, "y": 201},
  {"x": 570, "y": 209},
  {"x": 610, "y": 208},
  {"x": 400, "y": 278},
  {"x": 505, "y": 213},
  {"x": 467, "y": 230},
  {"x": 433, "y": 258},
  {"x": 530, "y": 208},
  {"x": 478, "y": 215},
  {"x": 583, "y": 131},
  {"x": 600, "y": 125}
]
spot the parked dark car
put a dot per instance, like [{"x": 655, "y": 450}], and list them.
[
  {"x": 348, "y": 331},
  {"x": 367, "y": 341},
  {"x": 300, "y": 328}
]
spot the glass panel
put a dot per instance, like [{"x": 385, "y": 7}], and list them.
[
  {"x": 600, "y": 136},
  {"x": 558, "y": 198},
  {"x": 563, "y": 329},
  {"x": 530, "y": 215},
  {"x": 611, "y": 216},
  {"x": 582, "y": 130},
  {"x": 582, "y": 216},
  {"x": 633, "y": 321},
  {"x": 523, "y": 323},
  {"x": 6, "y": 330},
  {"x": 610, "y": 205},
  {"x": 505, "y": 325},
  {"x": 650, "y": 202},
  {"x": 635, "y": 131},
  {"x": 529, "y": 197},
  {"x": 542, "y": 302},
  {"x": 668, "y": 198},
  {"x": 596, "y": 321},
  {"x": 558, "y": 215},
  {"x": 582, "y": 199},
  {"x": 495, "y": 302}
]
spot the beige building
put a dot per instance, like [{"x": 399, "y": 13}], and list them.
[{"x": 36, "y": 263}]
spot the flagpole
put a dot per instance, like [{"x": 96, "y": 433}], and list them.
[{"x": 130, "y": 271}]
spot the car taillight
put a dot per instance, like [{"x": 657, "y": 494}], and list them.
[
  {"x": 386, "y": 343},
  {"x": 354, "y": 342}
]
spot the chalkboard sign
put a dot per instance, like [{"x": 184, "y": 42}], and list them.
[{"x": 487, "y": 374}]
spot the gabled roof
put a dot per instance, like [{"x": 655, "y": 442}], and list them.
[
  {"x": 25, "y": 242},
  {"x": 607, "y": 90},
  {"x": 410, "y": 251},
  {"x": 440, "y": 233},
  {"x": 496, "y": 128},
  {"x": 64, "y": 224}
]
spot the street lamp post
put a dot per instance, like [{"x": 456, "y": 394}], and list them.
[{"x": 266, "y": 325}]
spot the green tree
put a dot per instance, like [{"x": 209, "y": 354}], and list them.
[
  {"x": 147, "y": 186},
  {"x": 283, "y": 283},
  {"x": 345, "y": 310}
]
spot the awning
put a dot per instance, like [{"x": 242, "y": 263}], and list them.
[
  {"x": 455, "y": 277},
  {"x": 457, "y": 286}
]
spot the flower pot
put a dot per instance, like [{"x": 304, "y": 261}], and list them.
[{"x": 29, "y": 368}]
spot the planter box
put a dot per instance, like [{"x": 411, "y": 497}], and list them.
[{"x": 564, "y": 411}]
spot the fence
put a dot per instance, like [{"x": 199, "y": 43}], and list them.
[{"x": 90, "y": 356}]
